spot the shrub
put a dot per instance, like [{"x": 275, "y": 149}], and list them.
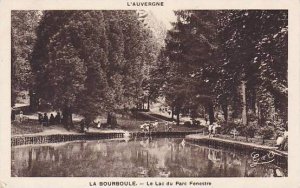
[
  {"x": 227, "y": 128},
  {"x": 187, "y": 124},
  {"x": 248, "y": 131},
  {"x": 252, "y": 117},
  {"x": 267, "y": 132}
]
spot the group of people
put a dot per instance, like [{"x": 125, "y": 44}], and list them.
[
  {"x": 212, "y": 129},
  {"x": 46, "y": 121},
  {"x": 153, "y": 126},
  {"x": 148, "y": 127},
  {"x": 168, "y": 126}
]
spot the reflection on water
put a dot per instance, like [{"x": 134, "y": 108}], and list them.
[{"x": 139, "y": 158}]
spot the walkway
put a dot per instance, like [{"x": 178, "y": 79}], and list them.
[{"x": 220, "y": 141}]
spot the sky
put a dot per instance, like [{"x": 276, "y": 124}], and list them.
[{"x": 165, "y": 15}]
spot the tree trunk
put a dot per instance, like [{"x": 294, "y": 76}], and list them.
[
  {"x": 259, "y": 115},
  {"x": 244, "y": 113},
  {"x": 108, "y": 118},
  {"x": 256, "y": 109},
  {"x": 225, "y": 110},
  {"x": 112, "y": 120},
  {"x": 67, "y": 118},
  {"x": 177, "y": 119},
  {"x": 33, "y": 101},
  {"x": 254, "y": 105},
  {"x": 177, "y": 110},
  {"x": 148, "y": 102},
  {"x": 172, "y": 112},
  {"x": 211, "y": 114}
]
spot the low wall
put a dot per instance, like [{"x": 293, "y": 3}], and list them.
[
  {"x": 42, "y": 139},
  {"x": 164, "y": 134},
  {"x": 281, "y": 158}
]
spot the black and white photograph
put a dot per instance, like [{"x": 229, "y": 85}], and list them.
[
  {"x": 155, "y": 94},
  {"x": 141, "y": 93}
]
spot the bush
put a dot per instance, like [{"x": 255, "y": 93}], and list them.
[
  {"x": 252, "y": 117},
  {"x": 267, "y": 132},
  {"x": 227, "y": 128},
  {"x": 248, "y": 131},
  {"x": 187, "y": 124}
]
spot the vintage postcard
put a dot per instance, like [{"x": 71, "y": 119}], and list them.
[{"x": 151, "y": 94}]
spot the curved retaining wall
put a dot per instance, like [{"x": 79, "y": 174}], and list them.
[
  {"x": 42, "y": 139},
  {"x": 281, "y": 158},
  {"x": 173, "y": 134}
]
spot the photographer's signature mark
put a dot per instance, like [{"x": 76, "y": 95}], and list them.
[{"x": 258, "y": 159}]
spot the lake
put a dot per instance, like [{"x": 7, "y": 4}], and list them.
[{"x": 143, "y": 157}]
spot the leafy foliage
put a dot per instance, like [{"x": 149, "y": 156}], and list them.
[
  {"x": 23, "y": 37},
  {"x": 190, "y": 47},
  {"x": 212, "y": 52},
  {"x": 254, "y": 49},
  {"x": 89, "y": 62},
  {"x": 267, "y": 132}
]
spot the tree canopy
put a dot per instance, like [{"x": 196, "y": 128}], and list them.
[
  {"x": 90, "y": 62},
  {"x": 212, "y": 53},
  {"x": 23, "y": 38}
]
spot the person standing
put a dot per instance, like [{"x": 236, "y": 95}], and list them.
[
  {"x": 52, "y": 119},
  {"x": 45, "y": 119},
  {"x": 206, "y": 119},
  {"x": 40, "y": 118},
  {"x": 21, "y": 116},
  {"x": 82, "y": 125},
  {"x": 58, "y": 118}
]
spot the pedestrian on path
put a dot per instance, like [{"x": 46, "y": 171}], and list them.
[
  {"x": 82, "y": 125},
  {"x": 166, "y": 126},
  {"x": 21, "y": 116},
  {"x": 45, "y": 120},
  {"x": 40, "y": 118},
  {"x": 58, "y": 118},
  {"x": 52, "y": 119}
]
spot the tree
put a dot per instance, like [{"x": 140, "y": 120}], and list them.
[
  {"x": 70, "y": 61},
  {"x": 23, "y": 25},
  {"x": 212, "y": 53},
  {"x": 191, "y": 46},
  {"x": 89, "y": 62},
  {"x": 242, "y": 59},
  {"x": 141, "y": 51}
]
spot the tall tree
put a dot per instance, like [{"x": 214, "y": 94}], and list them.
[
  {"x": 70, "y": 62},
  {"x": 90, "y": 62},
  {"x": 23, "y": 25},
  {"x": 191, "y": 45},
  {"x": 243, "y": 59}
]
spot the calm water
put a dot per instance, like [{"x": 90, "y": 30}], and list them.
[{"x": 140, "y": 158}]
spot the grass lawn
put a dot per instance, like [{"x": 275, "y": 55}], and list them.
[
  {"x": 128, "y": 123},
  {"x": 26, "y": 127}
]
